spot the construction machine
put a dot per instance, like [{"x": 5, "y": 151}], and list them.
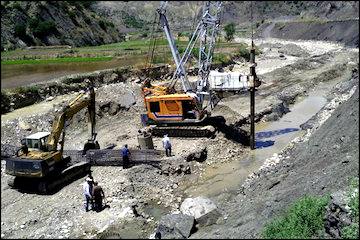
[
  {"x": 40, "y": 163},
  {"x": 185, "y": 112}
]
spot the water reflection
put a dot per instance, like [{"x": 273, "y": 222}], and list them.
[
  {"x": 263, "y": 144},
  {"x": 267, "y": 134}
]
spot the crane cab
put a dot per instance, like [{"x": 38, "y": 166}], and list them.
[
  {"x": 36, "y": 141},
  {"x": 171, "y": 108}
]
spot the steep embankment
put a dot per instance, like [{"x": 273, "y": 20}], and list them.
[
  {"x": 319, "y": 166},
  {"x": 75, "y": 23},
  {"x": 345, "y": 31}
]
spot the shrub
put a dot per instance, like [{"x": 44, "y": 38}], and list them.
[
  {"x": 33, "y": 23},
  {"x": 229, "y": 31},
  {"x": 244, "y": 51},
  {"x": 44, "y": 28},
  {"x": 102, "y": 24},
  {"x": 131, "y": 21},
  {"x": 72, "y": 15},
  {"x": 17, "y": 6},
  {"x": 302, "y": 220},
  {"x": 41, "y": 28},
  {"x": 20, "y": 30}
]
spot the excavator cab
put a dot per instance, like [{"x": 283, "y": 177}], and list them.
[
  {"x": 172, "y": 108},
  {"x": 36, "y": 141}
]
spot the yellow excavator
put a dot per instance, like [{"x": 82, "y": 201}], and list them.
[{"x": 39, "y": 163}]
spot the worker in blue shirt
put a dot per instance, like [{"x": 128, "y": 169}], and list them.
[{"x": 125, "y": 155}]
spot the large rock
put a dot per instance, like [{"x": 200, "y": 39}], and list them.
[
  {"x": 198, "y": 155},
  {"x": 24, "y": 125},
  {"x": 202, "y": 209},
  {"x": 337, "y": 214},
  {"x": 175, "y": 226}
]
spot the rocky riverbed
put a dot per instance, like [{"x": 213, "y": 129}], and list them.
[{"x": 139, "y": 196}]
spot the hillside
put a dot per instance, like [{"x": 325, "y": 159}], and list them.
[
  {"x": 39, "y": 23},
  {"x": 82, "y": 23}
]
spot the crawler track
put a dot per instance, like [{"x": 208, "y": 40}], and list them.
[{"x": 206, "y": 128}]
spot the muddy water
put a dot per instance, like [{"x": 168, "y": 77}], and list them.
[
  {"x": 271, "y": 138},
  {"x": 25, "y": 74}
]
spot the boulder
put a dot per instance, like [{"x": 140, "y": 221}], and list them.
[
  {"x": 174, "y": 167},
  {"x": 198, "y": 155},
  {"x": 202, "y": 209},
  {"x": 337, "y": 214},
  {"x": 24, "y": 125},
  {"x": 110, "y": 78},
  {"x": 114, "y": 108},
  {"x": 175, "y": 226}
]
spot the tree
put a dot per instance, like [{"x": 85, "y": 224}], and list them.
[{"x": 229, "y": 31}]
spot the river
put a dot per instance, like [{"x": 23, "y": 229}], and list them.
[{"x": 24, "y": 74}]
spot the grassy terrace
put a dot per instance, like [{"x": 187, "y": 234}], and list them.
[{"x": 100, "y": 53}]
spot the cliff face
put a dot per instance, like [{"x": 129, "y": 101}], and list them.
[{"x": 54, "y": 23}]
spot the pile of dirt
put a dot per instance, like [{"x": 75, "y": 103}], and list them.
[{"x": 344, "y": 31}]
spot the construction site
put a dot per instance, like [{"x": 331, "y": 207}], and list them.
[{"x": 248, "y": 139}]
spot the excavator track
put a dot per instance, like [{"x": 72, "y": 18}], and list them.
[
  {"x": 183, "y": 131},
  {"x": 206, "y": 128},
  {"x": 49, "y": 184}
]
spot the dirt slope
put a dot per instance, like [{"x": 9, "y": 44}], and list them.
[
  {"x": 319, "y": 166},
  {"x": 346, "y": 31}
]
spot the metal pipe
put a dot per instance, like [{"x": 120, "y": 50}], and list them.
[{"x": 252, "y": 96}]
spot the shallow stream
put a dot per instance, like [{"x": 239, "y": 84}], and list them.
[{"x": 271, "y": 137}]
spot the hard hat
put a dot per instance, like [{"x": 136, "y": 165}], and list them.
[{"x": 88, "y": 179}]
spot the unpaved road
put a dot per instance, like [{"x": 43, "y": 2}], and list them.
[{"x": 323, "y": 66}]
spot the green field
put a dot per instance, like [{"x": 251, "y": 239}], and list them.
[
  {"x": 56, "y": 60},
  {"x": 103, "y": 52}
]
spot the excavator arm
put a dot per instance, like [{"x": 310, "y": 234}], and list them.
[{"x": 82, "y": 101}]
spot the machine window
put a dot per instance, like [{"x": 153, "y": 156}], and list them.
[
  {"x": 172, "y": 105},
  {"x": 154, "y": 107},
  {"x": 35, "y": 143}
]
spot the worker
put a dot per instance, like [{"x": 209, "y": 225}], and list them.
[
  {"x": 87, "y": 189},
  {"x": 98, "y": 195},
  {"x": 167, "y": 145},
  {"x": 125, "y": 155}
]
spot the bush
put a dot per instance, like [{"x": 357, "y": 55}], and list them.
[
  {"x": 44, "y": 29},
  {"x": 131, "y": 21},
  {"x": 102, "y": 24},
  {"x": 229, "y": 31},
  {"x": 302, "y": 220},
  {"x": 20, "y": 30},
  {"x": 72, "y": 15},
  {"x": 17, "y": 6},
  {"x": 244, "y": 51},
  {"x": 33, "y": 23}
]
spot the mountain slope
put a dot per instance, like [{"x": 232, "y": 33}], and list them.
[{"x": 54, "y": 23}]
